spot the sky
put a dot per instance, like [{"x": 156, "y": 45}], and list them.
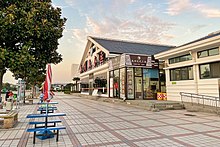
[{"x": 169, "y": 22}]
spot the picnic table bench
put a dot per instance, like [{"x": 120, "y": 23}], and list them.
[
  {"x": 9, "y": 119},
  {"x": 37, "y": 123},
  {"x": 46, "y": 129}
]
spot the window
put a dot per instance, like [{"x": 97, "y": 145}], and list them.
[
  {"x": 209, "y": 52},
  {"x": 180, "y": 59},
  {"x": 183, "y": 73},
  {"x": 210, "y": 70}
]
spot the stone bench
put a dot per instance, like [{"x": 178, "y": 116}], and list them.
[{"x": 8, "y": 119}]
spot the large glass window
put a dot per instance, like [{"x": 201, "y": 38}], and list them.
[
  {"x": 209, "y": 52},
  {"x": 180, "y": 59},
  {"x": 210, "y": 70},
  {"x": 183, "y": 73},
  {"x": 150, "y": 83}
]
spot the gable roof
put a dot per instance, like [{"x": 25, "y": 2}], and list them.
[{"x": 120, "y": 47}]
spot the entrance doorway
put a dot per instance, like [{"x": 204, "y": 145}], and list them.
[{"x": 138, "y": 88}]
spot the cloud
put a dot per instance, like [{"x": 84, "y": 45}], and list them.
[
  {"x": 57, "y": 6},
  {"x": 176, "y": 7},
  {"x": 196, "y": 28},
  {"x": 147, "y": 29},
  {"x": 70, "y": 2},
  {"x": 207, "y": 11}
]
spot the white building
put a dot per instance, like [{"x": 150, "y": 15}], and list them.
[{"x": 193, "y": 67}]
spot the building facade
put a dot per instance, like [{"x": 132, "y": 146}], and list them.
[
  {"x": 133, "y": 76},
  {"x": 120, "y": 69},
  {"x": 193, "y": 67}
]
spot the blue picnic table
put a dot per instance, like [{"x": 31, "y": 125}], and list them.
[
  {"x": 48, "y": 103},
  {"x": 45, "y": 115},
  {"x": 44, "y": 131}
]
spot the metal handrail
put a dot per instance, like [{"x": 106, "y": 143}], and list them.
[{"x": 200, "y": 99}]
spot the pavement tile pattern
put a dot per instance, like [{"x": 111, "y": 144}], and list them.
[{"x": 92, "y": 123}]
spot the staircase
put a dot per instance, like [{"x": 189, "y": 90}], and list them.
[{"x": 156, "y": 105}]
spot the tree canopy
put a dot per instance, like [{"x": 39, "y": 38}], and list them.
[{"x": 29, "y": 33}]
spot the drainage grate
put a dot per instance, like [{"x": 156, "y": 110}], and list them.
[{"x": 189, "y": 114}]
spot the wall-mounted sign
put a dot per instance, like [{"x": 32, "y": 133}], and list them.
[
  {"x": 137, "y": 60},
  {"x": 133, "y": 60}
]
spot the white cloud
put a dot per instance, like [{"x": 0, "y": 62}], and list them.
[
  {"x": 207, "y": 11},
  {"x": 147, "y": 29},
  {"x": 70, "y": 2},
  {"x": 176, "y": 7}
]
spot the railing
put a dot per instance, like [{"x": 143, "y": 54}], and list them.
[{"x": 203, "y": 100}]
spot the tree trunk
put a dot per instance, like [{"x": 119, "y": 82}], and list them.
[
  {"x": 2, "y": 72},
  {"x": 76, "y": 86},
  {"x": 33, "y": 91},
  {"x": 24, "y": 90}
]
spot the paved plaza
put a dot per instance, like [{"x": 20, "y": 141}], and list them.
[{"x": 92, "y": 123}]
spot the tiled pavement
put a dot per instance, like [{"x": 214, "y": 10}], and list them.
[{"x": 93, "y": 123}]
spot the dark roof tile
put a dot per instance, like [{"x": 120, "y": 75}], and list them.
[{"x": 117, "y": 46}]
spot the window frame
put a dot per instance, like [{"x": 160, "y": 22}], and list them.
[
  {"x": 208, "y": 52},
  {"x": 210, "y": 70},
  {"x": 178, "y": 59},
  {"x": 180, "y": 71}
]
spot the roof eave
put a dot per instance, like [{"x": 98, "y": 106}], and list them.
[{"x": 188, "y": 47}]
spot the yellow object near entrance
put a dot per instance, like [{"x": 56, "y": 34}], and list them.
[{"x": 161, "y": 96}]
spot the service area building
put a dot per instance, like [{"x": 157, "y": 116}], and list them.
[{"x": 193, "y": 67}]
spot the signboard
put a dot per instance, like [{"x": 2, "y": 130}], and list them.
[
  {"x": 133, "y": 60},
  {"x": 138, "y": 60}
]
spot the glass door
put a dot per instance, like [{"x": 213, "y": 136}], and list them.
[{"x": 138, "y": 88}]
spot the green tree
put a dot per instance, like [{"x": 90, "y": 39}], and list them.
[{"x": 29, "y": 33}]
